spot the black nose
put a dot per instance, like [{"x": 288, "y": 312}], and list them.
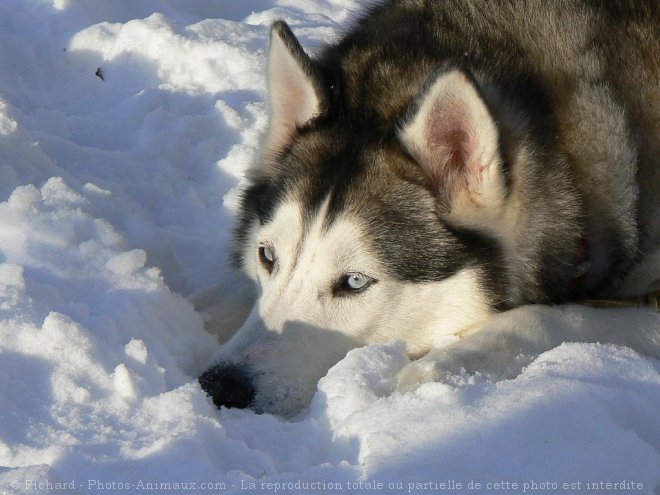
[{"x": 228, "y": 385}]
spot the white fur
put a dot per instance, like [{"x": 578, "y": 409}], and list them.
[
  {"x": 299, "y": 329},
  {"x": 509, "y": 341}
]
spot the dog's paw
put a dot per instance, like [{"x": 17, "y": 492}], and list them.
[
  {"x": 444, "y": 367},
  {"x": 458, "y": 364},
  {"x": 415, "y": 374}
]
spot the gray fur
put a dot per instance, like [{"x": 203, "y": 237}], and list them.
[
  {"x": 573, "y": 91},
  {"x": 553, "y": 76}
]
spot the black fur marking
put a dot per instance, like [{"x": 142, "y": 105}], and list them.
[
  {"x": 258, "y": 204},
  {"x": 369, "y": 82}
]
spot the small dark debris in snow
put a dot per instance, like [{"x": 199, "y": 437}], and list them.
[{"x": 99, "y": 73}]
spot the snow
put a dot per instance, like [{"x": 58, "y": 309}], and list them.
[{"x": 116, "y": 205}]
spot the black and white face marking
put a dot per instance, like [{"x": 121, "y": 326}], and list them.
[
  {"x": 348, "y": 247},
  {"x": 349, "y": 284},
  {"x": 344, "y": 274},
  {"x": 348, "y": 240}
]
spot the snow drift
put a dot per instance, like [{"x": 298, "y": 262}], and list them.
[{"x": 125, "y": 131}]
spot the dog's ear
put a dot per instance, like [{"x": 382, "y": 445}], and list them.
[
  {"x": 295, "y": 88},
  {"x": 451, "y": 134}
]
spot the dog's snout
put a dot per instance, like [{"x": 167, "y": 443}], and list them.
[{"x": 228, "y": 385}]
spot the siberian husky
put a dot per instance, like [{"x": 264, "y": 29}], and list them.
[{"x": 456, "y": 175}]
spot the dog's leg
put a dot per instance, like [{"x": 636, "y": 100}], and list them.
[{"x": 508, "y": 342}]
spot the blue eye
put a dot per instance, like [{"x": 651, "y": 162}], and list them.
[
  {"x": 356, "y": 281},
  {"x": 353, "y": 283}
]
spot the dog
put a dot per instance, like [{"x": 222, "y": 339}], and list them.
[{"x": 456, "y": 175}]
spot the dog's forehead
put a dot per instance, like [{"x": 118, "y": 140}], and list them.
[
  {"x": 335, "y": 174},
  {"x": 322, "y": 166},
  {"x": 382, "y": 194},
  {"x": 354, "y": 173},
  {"x": 338, "y": 245}
]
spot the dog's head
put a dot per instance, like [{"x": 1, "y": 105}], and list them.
[{"x": 360, "y": 230}]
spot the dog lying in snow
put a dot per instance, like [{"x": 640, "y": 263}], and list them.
[{"x": 446, "y": 174}]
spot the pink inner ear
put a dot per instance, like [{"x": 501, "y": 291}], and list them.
[
  {"x": 293, "y": 98},
  {"x": 450, "y": 145}
]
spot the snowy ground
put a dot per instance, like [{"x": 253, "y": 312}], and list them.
[{"x": 116, "y": 204}]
